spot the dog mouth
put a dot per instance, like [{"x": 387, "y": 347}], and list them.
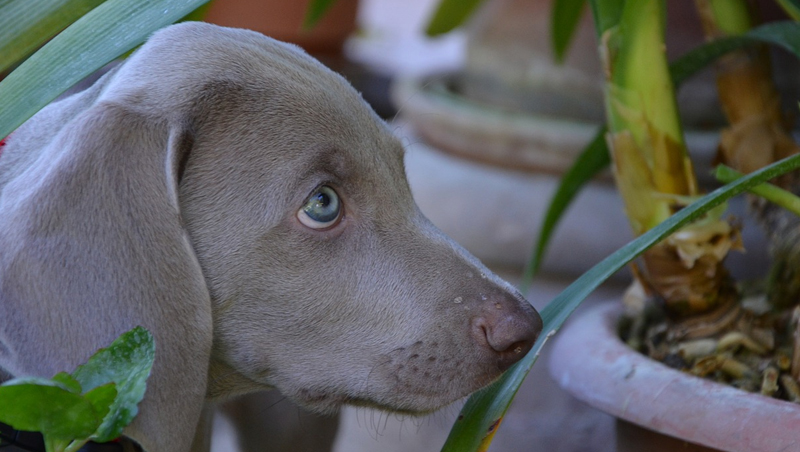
[
  {"x": 328, "y": 404},
  {"x": 413, "y": 399}
]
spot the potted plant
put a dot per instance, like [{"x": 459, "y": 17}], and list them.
[
  {"x": 684, "y": 274},
  {"x": 513, "y": 106}
]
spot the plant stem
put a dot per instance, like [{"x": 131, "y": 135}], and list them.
[
  {"x": 779, "y": 196},
  {"x": 650, "y": 161},
  {"x": 75, "y": 445},
  {"x": 645, "y": 136}
]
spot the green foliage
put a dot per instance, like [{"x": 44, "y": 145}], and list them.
[
  {"x": 564, "y": 18},
  {"x": 781, "y": 34},
  {"x": 481, "y": 415},
  {"x": 42, "y": 405},
  {"x": 127, "y": 364},
  {"x": 95, "y": 402},
  {"x": 316, "y": 11},
  {"x": 449, "y": 15},
  {"x": 487, "y": 407},
  {"x": 98, "y": 37},
  {"x": 792, "y": 8},
  {"x": 606, "y": 14},
  {"x": 772, "y": 193},
  {"x": 27, "y": 24}
]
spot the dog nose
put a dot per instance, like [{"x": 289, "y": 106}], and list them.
[{"x": 508, "y": 326}]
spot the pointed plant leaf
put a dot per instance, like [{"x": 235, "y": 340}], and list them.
[
  {"x": 98, "y": 37},
  {"x": 784, "y": 34},
  {"x": 68, "y": 382},
  {"x": 593, "y": 159},
  {"x": 127, "y": 363},
  {"x": 564, "y": 18},
  {"x": 449, "y": 15},
  {"x": 316, "y": 11},
  {"x": 606, "y": 14},
  {"x": 47, "y": 406},
  {"x": 27, "y": 24},
  {"x": 485, "y": 409}
]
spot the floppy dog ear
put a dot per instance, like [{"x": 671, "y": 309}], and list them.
[{"x": 93, "y": 245}]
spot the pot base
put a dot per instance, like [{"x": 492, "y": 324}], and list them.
[{"x": 633, "y": 438}]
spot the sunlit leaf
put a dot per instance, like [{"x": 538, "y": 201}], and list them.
[
  {"x": 101, "y": 35},
  {"x": 27, "y": 24},
  {"x": 127, "y": 363},
  {"x": 68, "y": 382},
  {"x": 46, "y": 406}
]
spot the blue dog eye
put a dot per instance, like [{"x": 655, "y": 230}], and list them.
[{"x": 322, "y": 209}]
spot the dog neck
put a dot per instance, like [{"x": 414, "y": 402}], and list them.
[{"x": 224, "y": 382}]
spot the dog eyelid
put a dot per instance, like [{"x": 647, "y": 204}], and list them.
[{"x": 322, "y": 209}]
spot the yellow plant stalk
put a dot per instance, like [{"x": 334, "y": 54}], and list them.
[
  {"x": 654, "y": 174},
  {"x": 757, "y": 136}
]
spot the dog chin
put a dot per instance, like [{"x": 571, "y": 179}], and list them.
[{"x": 327, "y": 403}]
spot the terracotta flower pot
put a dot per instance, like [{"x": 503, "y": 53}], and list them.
[
  {"x": 659, "y": 408},
  {"x": 283, "y": 21}
]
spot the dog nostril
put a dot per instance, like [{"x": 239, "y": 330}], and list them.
[{"x": 509, "y": 332}]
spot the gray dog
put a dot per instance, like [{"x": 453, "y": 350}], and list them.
[{"x": 241, "y": 201}]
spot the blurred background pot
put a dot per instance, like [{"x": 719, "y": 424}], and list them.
[{"x": 283, "y": 21}]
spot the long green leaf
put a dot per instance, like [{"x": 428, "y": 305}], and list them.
[
  {"x": 564, "y": 18},
  {"x": 592, "y": 160},
  {"x": 27, "y": 24},
  {"x": 449, "y": 15},
  {"x": 484, "y": 410},
  {"x": 792, "y": 8},
  {"x": 103, "y": 34},
  {"x": 784, "y": 34}
]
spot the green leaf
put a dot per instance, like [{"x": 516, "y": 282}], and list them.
[
  {"x": 792, "y": 8},
  {"x": 449, "y": 15},
  {"x": 68, "y": 382},
  {"x": 564, "y": 19},
  {"x": 103, "y": 34},
  {"x": 592, "y": 160},
  {"x": 46, "y": 406},
  {"x": 606, "y": 14},
  {"x": 784, "y": 34},
  {"x": 316, "y": 11},
  {"x": 27, "y": 24},
  {"x": 771, "y": 193},
  {"x": 101, "y": 398},
  {"x": 127, "y": 363},
  {"x": 484, "y": 409}
]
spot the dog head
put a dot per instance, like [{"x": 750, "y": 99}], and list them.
[{"x": 294, "y": 256}]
